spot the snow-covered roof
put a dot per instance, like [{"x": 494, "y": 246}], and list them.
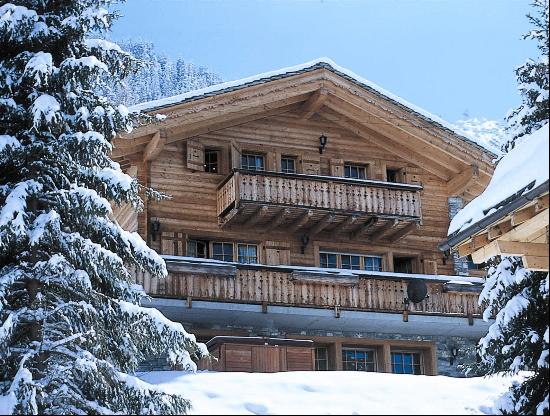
[
  {"x": 521, "y": 170},
  {"x": 330, "y": 272},
  {"x": 325, "y": 63}
]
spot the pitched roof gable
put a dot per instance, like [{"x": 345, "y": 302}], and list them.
[{"x": 320, "y": 63}]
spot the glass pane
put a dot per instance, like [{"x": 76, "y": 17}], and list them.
[
  {"x": 355, "y": 262},
  {"x": 218, "y": 249},
  {"x": 369, "y": 367},
  {"x": 346, "y": 262},
  {"x": 259, "y": 163},
  {"x": 362, "y": 174},
  {"x": 192, "y": 248},
  {"x": 416, "y": 359},
  {"x": 407, "y": 359},
  {"x": 228, "y": 250}
]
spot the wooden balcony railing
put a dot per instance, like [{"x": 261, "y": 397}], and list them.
[
  {"x": 311, "y": 191},
  {"x": 285, "y": 287}
]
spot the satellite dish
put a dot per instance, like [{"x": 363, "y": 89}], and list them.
[{"x": 417, "y": 291}]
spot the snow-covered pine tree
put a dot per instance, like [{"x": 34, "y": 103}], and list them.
[
  {"x": 71, "y": 328},
  {"x": 518, "y": 339},
  {"x": 517, "y": 297},
  {"x": 533, "y": 80}
]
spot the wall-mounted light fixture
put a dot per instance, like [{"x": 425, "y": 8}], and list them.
[
  {"x": 155, "y": 228},
  {"x": 305, "y": 240},
  {"x": 454, "y": 353},
  {"x": 322, "y": 143},
  {"x": 446, "y": 255}
]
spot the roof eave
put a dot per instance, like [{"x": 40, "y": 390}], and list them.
[{"x": 485, "y": 222}]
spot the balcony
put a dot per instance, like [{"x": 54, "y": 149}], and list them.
[
  {"x": 194, "y": 279},
  {"x": 311, "y": 204}
]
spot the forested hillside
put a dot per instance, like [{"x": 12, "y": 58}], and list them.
[{"x": 161, "y": 75}]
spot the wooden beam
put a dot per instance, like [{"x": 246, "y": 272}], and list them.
[
  {"x": 277, "y": 219},
  {"x": 349, "y": 221},
  {"x": 399, "y": 234},
  {"x": 321, "y": 225},
  {"x": 462, "y": 181},
  {"x": 542, "y": 203},
  {"x": 509, "y": 248},
  {"x": 500, "y": 229},
  {"x": 473, "y": 244},
  {"x": 257, "y": 216},
  {"x": 301, "y": 221},
  {"x": 385, "y": 229},
  {"x": 314, "y": 103},
  {"x": 523, "y": 215},
  {"x": 433, "y": 148},
  {"x": 528, "y": 228},
  {"x": 537, "y": 263},
  {"x": 154, "y": 147},
  {"x": 361, "y": 229},
  {"x": 518, "y": 248},
  {"x": 389, "y": 144}
]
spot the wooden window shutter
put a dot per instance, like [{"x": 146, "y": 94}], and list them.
[
  {"x": 337, "y": 167},
  {"x": 235, "y": 156},
  {"x": 195, "y": 155},
  {"x": 277, "y": 253},
  {"x": 430, "y": 266}
]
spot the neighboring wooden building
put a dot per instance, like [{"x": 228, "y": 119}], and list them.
[
  {"x": 309, "y": 203},
  {"x": 511, "y": 217}
]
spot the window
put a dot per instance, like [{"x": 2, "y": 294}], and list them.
[
  {"x": 403, "y": 264},
  {"x": 211, "y": 158},
  {"x": 197, "y": 248},
  {"x": 373, "y": 264},
  {"x": 350, "y": 261},
  {"x": 247, "y": 253},
  {"x": 358, "y": 359},
  {"x": 321, "y": 358},
  {"x": 393, "y": 175},
  {"x": 474, "y": 266},
  {"x": 252, "y": 162},
  {"x": 355, "y": 171},
  {"x": 328, "y": 260},
  {"x": 288, "y": 164},
  {"x": 406, "y": 362},
  {"x": 222, "y": 251}
]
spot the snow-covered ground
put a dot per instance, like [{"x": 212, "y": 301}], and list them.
[{"x": 332, "y": 392}]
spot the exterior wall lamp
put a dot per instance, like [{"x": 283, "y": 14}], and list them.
[
  {"x": 305, "y": 240},
  {"x": 155, "y": 228},
  {"x": 454, "y": 354},
  {"x": 322, "y": 143}
]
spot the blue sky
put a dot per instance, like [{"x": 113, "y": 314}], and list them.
[{"x": 447, "y": 56}]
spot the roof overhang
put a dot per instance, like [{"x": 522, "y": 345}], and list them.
[{"x": 338, "y": 97}]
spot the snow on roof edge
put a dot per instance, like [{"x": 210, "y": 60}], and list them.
[
  {"x": 323, "y": 62},
  {"x": 515, "y": 173}
]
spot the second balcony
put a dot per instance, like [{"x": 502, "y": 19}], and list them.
[{"x": 310, "y": 204}]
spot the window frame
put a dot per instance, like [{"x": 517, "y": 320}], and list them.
[
  {"x": 420, "y": 364},
  {"x": 254, "y": 155},
  {"x": 210, "y": 150},
  {"x": 247, "y": 245},
  {"x": 196, "y": 240},
  {"x": 362, "y": 262},
  {"x": 398, "y": 172},
  {"x": 319, "y": 360},
  {"x": 361, "y": 167},
  {"x": 373, "y": 362},
  {"x": 294, "y": 164},
  {"x": 223, "y": 243}
]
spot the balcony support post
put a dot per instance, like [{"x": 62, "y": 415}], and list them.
[
  {"x": 301, "y": 221},
  {"x": 385, "y": 229},
  {"x": 363, "y": 228}
]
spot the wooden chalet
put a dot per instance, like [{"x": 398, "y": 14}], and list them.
[
  {"x": 309, "y": 203},
  {"x": 513, "y": 225}
]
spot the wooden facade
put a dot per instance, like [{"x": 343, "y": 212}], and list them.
[{"x": 377, "y": 191}]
